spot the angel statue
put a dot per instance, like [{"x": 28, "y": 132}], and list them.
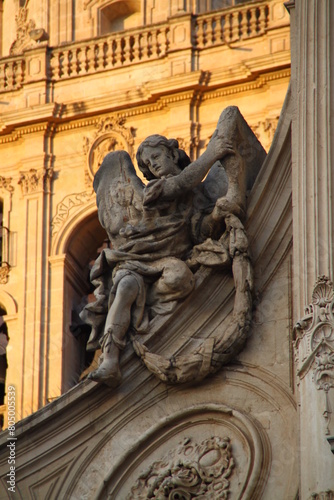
[{"x": 162, "y": 232}]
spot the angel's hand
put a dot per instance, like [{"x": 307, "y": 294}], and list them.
[
  {"x": 225, "y": 207},
  {"x": 219, "y": 146},
  {"x": 152, "y": 191}
]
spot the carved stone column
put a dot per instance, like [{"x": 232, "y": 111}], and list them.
[
  {"x": 313, "y": 235},
  {"x": 312, "y": 154}
]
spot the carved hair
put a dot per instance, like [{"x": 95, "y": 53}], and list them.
[{"x": 172, "y": 145}]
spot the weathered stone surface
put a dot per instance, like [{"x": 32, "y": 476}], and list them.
[{"x": 158, "y": 230}]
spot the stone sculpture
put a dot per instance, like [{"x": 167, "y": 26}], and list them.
[
  {"x": 191, "y": 471},
  {"x": 161, "y": 234}
]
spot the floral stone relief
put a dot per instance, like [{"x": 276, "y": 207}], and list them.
[
  {"x": 190, "y": 471},
  {"x": 314, "y": 341}
]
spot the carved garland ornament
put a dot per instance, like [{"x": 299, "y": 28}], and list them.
[
  {"x": 111, "y": 135},
  {"x": 191, "y": 471},
  {"x": 314, "y": 344}
]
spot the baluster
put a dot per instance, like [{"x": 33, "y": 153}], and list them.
[
  {"x": 222, "y": 29},
  {"x": 149, "y": 44},
  {"x": 78, "y": 63},
  {"x": 60, "y": 65},
  {"x": 100, "y": 56},
  {"x": 118, "y": 52},
  {"x": 155, "y": 52},
  {"x": 95, "y": 61},
  {"x": 20, "y": 73},
  {"x": 2, "y": 77},
  {"x": 199, "y": 33},
  {"x": 65, "y": 65},
  {"x": 145, "y": 47},
  {"x": 165, "y": 44},
  {"x": 105, "y": 51},
  {"x": 210, "y": 31},
  {"x": 70, "y": 62},
  {"x": 204, "y": 33},
  {"x": 8, "y": 75},
  {"x": 217, "y": 29},
  {"x": 127, "y": 49},
  {"x": 261, "y": 19},
  {"x": 252, "y": 21},
  {"x": 234, "y": 27},
  {"x": 113, "y": 49},
  {"x": 159, "y": 36},
  {"x": 14, "y": 73},
  {"x": 243, "y": 22},
  {"x": 136, "y": 48}
]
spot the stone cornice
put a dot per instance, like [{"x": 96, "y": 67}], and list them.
[{"x": 159, "y": 96}]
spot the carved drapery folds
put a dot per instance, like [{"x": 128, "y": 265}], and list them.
[
  {"x": 111, "y": 135},
  {"x": 314, "y": 343},
  {"x": 190, "y": 471}
]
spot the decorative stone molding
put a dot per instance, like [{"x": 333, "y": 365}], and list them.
[
  {"x": 5, "y": 184},
  {"x": 323, "y": 495},
  {"x": 190, "y": 471},
  {"x": 34, "y": 180},
  {"x": 111, "y": 135},
  {"x": 23, "y": 28},
  {"x": 66, "y": 207},
  {"x": 265, "y": 130},
  {"x": 4, "y": 273},
  {"x": 314, "y": 340}
]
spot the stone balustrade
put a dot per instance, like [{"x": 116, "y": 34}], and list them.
[
  {"x": 139, "y": 45},
  {"x": 112, "y": 51},
  {"x": 12, "y": 71},
  {"x": 231, "y": 25}
]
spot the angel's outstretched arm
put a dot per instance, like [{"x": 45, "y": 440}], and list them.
[{"x": 220, "y": 145}]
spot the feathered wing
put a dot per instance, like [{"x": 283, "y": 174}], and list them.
[{"x": 119, "y": 194}]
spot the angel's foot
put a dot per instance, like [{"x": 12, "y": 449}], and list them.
[{"x": 108, "y": 373}]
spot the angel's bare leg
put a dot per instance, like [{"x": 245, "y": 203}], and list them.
[{"x": 117, "y": 324}]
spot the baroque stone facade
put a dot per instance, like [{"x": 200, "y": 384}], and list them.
[{"x": 77, "y": 88}]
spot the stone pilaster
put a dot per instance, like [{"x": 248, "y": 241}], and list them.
[
  {"x": 312, "y": 154},
  {"x": 313, "y": 236}
]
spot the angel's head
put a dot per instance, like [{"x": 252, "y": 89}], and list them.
[{"x": 159, "y": 157}]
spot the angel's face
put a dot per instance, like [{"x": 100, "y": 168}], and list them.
[{"x": 160, "y": 161}]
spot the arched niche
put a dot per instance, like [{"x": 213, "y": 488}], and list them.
[
  {"x": 209, "y": 449},
  {"x": 75, "y": 245},
  {"x": 8, "y": 304},
  {"x": 118, "y": 16}
]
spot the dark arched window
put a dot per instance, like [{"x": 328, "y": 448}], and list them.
[{"x": 120, "y": 15}]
